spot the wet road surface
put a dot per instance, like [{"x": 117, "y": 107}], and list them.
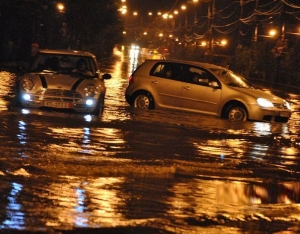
[{"x": 134, "y": 171}]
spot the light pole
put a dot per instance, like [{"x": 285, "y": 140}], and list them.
[{"x": 211, "y": 17}]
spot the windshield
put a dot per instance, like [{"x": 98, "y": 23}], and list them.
[
  {"x": 232, "y": 79},
  {"x": 64, "y": 64}
]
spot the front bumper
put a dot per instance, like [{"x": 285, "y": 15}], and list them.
[
  {"x": 86, "y": 105},
  {"x": 270, "y": 115}
]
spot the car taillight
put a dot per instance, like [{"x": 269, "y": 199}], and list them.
[{"x": 130, "y": 80}]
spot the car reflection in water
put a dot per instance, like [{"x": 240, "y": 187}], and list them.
[
  {"x": 134, "y": 56},
  {"x": 121, "y": 201},
  {"x": 256, "y": 193},
  {"x": 7, "y": 92}
]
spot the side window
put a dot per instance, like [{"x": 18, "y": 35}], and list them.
[
  {"x": 200, "y": 76},
  {"x": 157, "y": 70},
  {"x": 166, "y": 70}
]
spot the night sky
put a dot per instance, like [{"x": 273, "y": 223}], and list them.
[
  {"x": 152, "y": 5},
  {"x": 167, "y": 5}
]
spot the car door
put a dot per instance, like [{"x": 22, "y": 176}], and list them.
[
  {"x": 197, "y": 94},
  {"x": 166, "y": 87}
]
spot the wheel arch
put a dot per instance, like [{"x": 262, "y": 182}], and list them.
[
  {"x": 142, "y": 91},
  {"x": 100, "y": 105},
  {"x": 231, "y": 104}
]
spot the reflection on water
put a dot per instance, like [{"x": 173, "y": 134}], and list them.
[
  {"x": 134, "y": 57},
  {"x": 224, "y": 203},
  {"x": 14, "y": 215},
  {"x": 22, "y": 135},
  {"x": 163, "y": 170},
  {"x": 245, "y": 193},
  {"x": 94, "y": 202},
  {"x": 7, "y": 85},
  {"x": 90, "y": 203}
]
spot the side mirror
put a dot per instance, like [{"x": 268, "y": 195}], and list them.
[
  {"x": 106, "y": 76},
  {"x": 214, "y": 85}
]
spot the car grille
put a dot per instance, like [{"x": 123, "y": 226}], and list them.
[
  {"x": 280, "y": 106},
  {"x": 59, "y": 93}
]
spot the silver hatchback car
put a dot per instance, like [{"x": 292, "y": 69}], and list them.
[
  {"x": 64, "y": 79},
  {"x": 202, "y": 88}
]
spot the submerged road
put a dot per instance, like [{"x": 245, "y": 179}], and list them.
[{"x": 134, "y": 171}]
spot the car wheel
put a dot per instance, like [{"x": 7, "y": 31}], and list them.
[
  {"x": 143, "y": 101},
  {"x": 237, "y": 113}
]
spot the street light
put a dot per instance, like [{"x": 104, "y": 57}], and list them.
[
  {"x": 165, "y": 16},
  {"x": 123, "y": 10},
  {"x": 203, "y": 43},
  {"x": 222, "y": 42},
  {"x": 216, "y": 42},
  {"x": 272, "y": 33},
  {"x": 60, "y": 7}
]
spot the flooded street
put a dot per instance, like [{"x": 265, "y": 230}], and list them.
[{"x": 135, "y": 171}]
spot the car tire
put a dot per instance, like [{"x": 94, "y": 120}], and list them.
[
  {"x": 143, "y": 101},
  {"x": 237, "y": 113}
]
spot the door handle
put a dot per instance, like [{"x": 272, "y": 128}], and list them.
[
  {"x": 187, "y": 87},
  {"x": 154, "y": 82}
]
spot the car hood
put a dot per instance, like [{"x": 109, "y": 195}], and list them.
[
  {"x": 61, "y": 81},
  {"x": 258, "y": 93}
]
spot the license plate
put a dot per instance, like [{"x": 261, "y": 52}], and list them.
[
  {"x": 58, "y": 104},
  {"x": 284, "y": 114}
]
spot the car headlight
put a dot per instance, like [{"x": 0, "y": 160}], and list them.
[
  {"x": 89, "y": 102},
  {"x": 91, "y": 90},
  {"x": 264, "y": 102},
  {"x": 27, "y": 84},
  {"x": 26, "y": 97}
]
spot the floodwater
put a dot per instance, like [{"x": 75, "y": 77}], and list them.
[{"x": 134, "y": 171}]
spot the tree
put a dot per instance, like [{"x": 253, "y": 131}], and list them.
[
  {"x": 95, "y": 26},
  {"x": 18, "y": 23},
  {"x": 290, "y": 64}
]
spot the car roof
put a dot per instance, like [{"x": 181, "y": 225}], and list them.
[
  {"x": 202, "y": 64},
  {"x": 67, "y": 52}
]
